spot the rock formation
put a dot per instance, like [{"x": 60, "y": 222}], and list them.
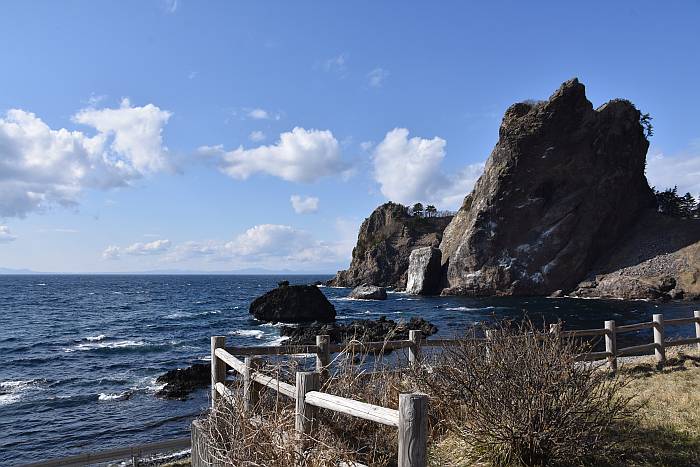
[
  {"x": 384, "y": 243},
  {"x": 366, "y": 330},
  {"x": 293, "y": 304},
  {"x": 424, "y": 271},
  {"x": 181, "y": 382},
  {"x": 368, "y": 292},
  {"x": 564, "y": 183}
]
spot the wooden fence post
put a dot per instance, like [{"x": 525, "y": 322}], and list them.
[
  {"x": 218, "y": 368},
  {"x": 414, "y": 350},
  {"x": 659, "y": 349},
  {"x": 251, "y": 391},
  {"x": 696, "y": 314},
  {"x": 323, "y": 356},
  {"x": 413, "y": 430},
  {"x": 305, "y": 414},
  {"x": 611, "y": 344}
]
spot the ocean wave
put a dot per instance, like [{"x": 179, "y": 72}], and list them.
[
  {"x": 124, "y": 344},
  {"x": 407, "y": 299},
  {"x": 258, "y": 334},
  {"x": 95, "y": 338},
  {"x": 188, "y": 315},
  {"x": 277, "y": 340},
  {"x": 122, "y": 396},
  {"x": 13, "y": 391},
  {"x": 466, "y": 308}
]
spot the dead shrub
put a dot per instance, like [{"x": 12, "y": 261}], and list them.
[{"x": 520, "y": 398}]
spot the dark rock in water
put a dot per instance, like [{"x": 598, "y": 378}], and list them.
[
  {"x": 368, "y": 292},
  {"x": 424, "y": 271},
  {"x": 384, "y": 243},
  {"x": 181, "y": 382},
  {"x": 363, "y": 329},
  {"x": 293, "y": 304},
  {"x": 562, "y": 186}
]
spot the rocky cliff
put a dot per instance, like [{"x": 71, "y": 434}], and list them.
[
  {"x": 384, "y": 244},
  {"x": 563, "y": 185}
]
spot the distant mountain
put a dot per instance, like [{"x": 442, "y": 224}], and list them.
[{"x": 17, "y": 271}]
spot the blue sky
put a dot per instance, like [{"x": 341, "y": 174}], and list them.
[{"x": 219, "y": 135}]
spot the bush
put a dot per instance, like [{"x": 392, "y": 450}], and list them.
[{"x": 521, "y": 399}]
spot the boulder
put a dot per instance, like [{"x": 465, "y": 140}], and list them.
[
  {"x": 368, "y": 292},
  {"x": 181, "y": 382},
  {"x": 293, "y": 304},
  {"x": 363, "y": 329},
  {"x": 424, "y": 271},
  {"x": 562, "y": 186},
  {"x": 384, "y": 244}
]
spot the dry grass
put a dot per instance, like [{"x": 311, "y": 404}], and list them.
[{"x": 667, "y": 432}]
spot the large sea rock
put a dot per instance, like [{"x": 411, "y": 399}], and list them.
[
  {"x": 368, "y": 292},
  {"x": 424, "y": 271},
  {"x": 563, "y": 185},
  {"x": 293, "y": 304},
  {"x": 384, "y": 244}
]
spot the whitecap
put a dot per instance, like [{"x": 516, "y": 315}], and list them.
[
  {"x": 277, "y": 341},
  {"x": 408, "y": 299},
  {"x": 466, "y": 308},
  {"x": 12, "y": 391},
  {"x": 122, "y": 396},
  {"x": 95, "y": 338},
  {"x": 256, "y": 333},
  {"x": 104, "y": 345}
]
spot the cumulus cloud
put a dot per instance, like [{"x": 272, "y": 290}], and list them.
[
  {"x": 271, "y": 246},
  {"x": 304, "y": 204},
  {"x": 376, "y": 77},
  {"x": 155, "y": 247},
  {"x": 41, "y": 166},
  {"x": 5, "y": 235},
  {"x": 669, "y": 171},
  {"x": 409, "y": 170},
  {"x": 256, "y": 136},
  {"x": 299, "y": 156}
]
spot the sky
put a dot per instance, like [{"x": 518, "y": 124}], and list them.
[{"x": 140, "y": 135}]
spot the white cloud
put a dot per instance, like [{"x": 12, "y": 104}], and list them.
[
  {"x": 192, "y": 74},
  {"x": 299, "y": 156},
  {"x": 259, "y": 114},
  {"x": 337, "y": 65},
  {"x": 155, "y": 247},
  {"x": 41, "y": 167},
  {"x": 256, "y": 136},
  {"x": 170, "y": 6},
  {"x": 271, "y": 246},
  {"x": 409, "y": 170},
  {"x": 5, "y": 235},
  {"x": 682, "y": 171},
  {"x": 377, "y": 77},
  {"x": 304, "y": 204}
]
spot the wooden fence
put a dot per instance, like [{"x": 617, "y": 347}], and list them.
[{"x": 411, "y": 417}]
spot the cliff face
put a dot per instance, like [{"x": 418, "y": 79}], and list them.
[
  {"x": 384, "y": 244},
  {"x": 563, "y": 184}
]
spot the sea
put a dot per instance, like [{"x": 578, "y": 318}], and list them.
[{"x": 80, "y": 354}]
